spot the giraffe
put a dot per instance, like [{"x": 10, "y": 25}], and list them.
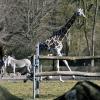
[{"x": 54, "y": 42}]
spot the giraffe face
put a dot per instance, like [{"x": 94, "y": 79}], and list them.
[{"x": 80, "y": 12}]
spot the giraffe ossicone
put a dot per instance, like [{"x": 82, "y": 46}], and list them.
[{"x": 81, "y": 12}]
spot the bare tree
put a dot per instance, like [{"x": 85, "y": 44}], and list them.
[{"x": 93, "y": 31}]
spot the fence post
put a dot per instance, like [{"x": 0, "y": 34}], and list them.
[
  {"x": 41, "y": 71},
  {"x": 37, "y": 70},
  {"x": 34, "y": 82}
]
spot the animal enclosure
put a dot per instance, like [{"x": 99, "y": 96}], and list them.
[{"x": 37, "y": 74}]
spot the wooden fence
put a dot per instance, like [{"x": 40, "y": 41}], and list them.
[
  {"x": 68, "y": 73},
  {"x": 38, "y": 74},
  {"x": 41, "y": 57}
]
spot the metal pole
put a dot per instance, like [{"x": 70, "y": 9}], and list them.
[
  {"x": 37, "y": 70},
  {"x": 34, "y": 82}
]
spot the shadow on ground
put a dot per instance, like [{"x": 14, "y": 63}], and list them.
[{"x": 6, "y": 95}]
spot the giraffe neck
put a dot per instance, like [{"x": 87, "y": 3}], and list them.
[
  {"x": 55, "y": 41},
  {"x": 70, "y": 21},
  {"x": 62, "y": 32}
]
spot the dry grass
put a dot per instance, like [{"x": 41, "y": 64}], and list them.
[
  {"x": 20, "y": 89},
  {"x": 48, "y": 89}
]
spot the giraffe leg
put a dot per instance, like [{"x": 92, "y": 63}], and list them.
[
  {"x": 58, "y": 66},
  {"x": 58, "y": 69},
  {"x": 66, "y": 63}
]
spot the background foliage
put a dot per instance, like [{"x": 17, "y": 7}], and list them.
[{"x": 25, "y": 22}]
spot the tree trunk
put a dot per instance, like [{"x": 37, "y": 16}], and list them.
[
  {"x": 85, "y": 32},
  {"x": 93, "y": 31}
]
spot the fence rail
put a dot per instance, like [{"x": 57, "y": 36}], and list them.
[
  {"x": 67, "y": 57},
  {"x": 68, "y": 73}
]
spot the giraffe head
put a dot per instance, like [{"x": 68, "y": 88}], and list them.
[{"x": 80, "y": 12}]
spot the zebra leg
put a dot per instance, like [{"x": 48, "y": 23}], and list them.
[
  {"x": 28, "y": 68},
  {"x": 3, "y": 70},
  {"x": 14, "y": 70}
]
